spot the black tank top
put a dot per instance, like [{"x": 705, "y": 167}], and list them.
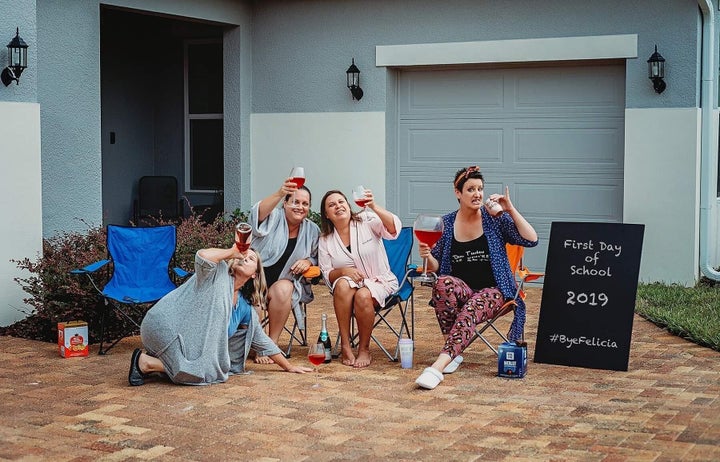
[{"x": 470, "y": 261}]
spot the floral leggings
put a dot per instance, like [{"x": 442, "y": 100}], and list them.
[{"x": 459, "y": 309}]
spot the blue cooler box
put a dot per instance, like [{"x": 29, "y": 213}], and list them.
[{"x": 512, "y": 360}]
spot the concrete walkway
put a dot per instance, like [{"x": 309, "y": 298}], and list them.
[{"x": 666, "y": 407}]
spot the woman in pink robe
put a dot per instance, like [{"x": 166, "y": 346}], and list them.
[{"x": 355, "y": 266}]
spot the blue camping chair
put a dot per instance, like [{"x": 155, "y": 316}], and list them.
[
  {"x": 398, "y": 252},
  {"x": 141, "y": 260}
]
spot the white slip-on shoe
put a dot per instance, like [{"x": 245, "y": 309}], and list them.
[
  {"x": 430, "y": 378},
  {"x": 454, "y": 364}
]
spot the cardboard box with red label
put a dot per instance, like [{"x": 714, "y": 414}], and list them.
[{"x": 73, "y": 339}]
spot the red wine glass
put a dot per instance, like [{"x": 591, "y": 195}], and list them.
[
  {"x": 297, "y": 176},
  {"x": 316, "y": 355},
  {"x": 361, "y": 199},
  {"x": 428, "y": 229}
]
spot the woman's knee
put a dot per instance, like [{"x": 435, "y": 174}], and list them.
[{"x": 281, "y": 288}]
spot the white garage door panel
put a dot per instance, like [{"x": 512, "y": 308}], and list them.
[
  {"x": 598, "y": 145},
  {"x": 454, "y": 91},
  {"x": 569, "y": 201},
  {"x": 553, "y": 135},
  {"x": 578, "y": 88},
  {"x": 428, "y": 196},
  {"x": 427, "y": 145}
]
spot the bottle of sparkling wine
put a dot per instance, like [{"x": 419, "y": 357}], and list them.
[{"x": 324, "y": 338}]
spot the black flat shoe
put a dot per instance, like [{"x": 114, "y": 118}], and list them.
[{"x": 135, "y": 376}]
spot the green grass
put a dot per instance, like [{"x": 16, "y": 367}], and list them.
[{"x": 689, "y": 312}]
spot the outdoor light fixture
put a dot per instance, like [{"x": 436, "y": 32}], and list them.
[
  {"x": 656, "y": 71},
  {"x": 17, "y": 60},
  {"x": 353, "y": 81}
]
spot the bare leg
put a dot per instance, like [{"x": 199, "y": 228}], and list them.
[
  {"x": 149, "y": 364},
  {"x": 279, "y": 306},
  {"x": 343, "y": 296},
  {"x": 441, "y": 362},
  {"x": 364, "y": 306}
]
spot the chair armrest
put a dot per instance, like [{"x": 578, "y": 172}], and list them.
[
  {"x": 91, "y": 268},
  {"x": 414, "y": 270},
  {"x": 181, "y": 273}
]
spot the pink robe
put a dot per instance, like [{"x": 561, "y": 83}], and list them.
[{"x": 368, "y": 255}]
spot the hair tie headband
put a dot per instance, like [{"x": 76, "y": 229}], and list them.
[{"x": 468, "y": 171}]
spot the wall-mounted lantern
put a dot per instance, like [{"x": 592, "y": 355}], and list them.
[
  {"x": 353, "y": 81},
  {"x": 17, "y": 60},
  {"x": 656, "y": 71}
]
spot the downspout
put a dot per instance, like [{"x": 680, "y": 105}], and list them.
[{"x": 708, "y": 159}]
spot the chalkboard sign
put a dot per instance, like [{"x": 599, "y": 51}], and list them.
[{"x": 588, "y": 298}]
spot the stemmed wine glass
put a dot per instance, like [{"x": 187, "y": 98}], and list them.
[
  {"x": 428, "y": 229},
  {"x": 316, "y": 355},
  {"x": 297, "y": 176},
  {"x": 360, "y": 199}
]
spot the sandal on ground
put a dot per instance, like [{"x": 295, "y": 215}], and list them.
[
  {"x": 454, "y": 364},
  {"x": 430, "y": 378}
]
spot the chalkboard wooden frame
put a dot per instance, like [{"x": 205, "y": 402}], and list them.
[{"x": 589, "y": 292}]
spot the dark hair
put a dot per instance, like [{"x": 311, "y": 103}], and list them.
[
  {"x": 287, "y": 196},
  {"x": 462, "y": 175},
  {"x": 326, "y": 226}
]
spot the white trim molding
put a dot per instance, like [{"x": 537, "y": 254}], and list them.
[{"x": 508, "y": 51}]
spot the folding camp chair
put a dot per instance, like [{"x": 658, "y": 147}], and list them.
[
  {"x": 398, "y": 252},
  {"x": 522, "y": 275},
  {"x": 141, "y": 260}
]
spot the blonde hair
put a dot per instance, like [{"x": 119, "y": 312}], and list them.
[{"x": 254, "y": 291}]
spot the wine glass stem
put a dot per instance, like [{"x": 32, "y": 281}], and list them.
[{"x": 425, "y": 267}]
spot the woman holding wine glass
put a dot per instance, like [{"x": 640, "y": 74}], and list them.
[
  {"x": 202, "y": 332},
  {"x": 287, "y": 242},
  {"x": 355, "y": 266},
  {"x": 475, "y": 277}
]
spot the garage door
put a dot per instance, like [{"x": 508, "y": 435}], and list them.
[{"x": 554, "y": 135}]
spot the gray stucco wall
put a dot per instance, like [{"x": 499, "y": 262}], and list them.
[
  {"x": 19, "y": 14},
  {"x": 238, "y": 89},
  {"x": 69, "y": 94},
  {"x": 301, "y": 49}
]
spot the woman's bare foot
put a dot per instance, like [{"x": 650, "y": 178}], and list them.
[
  {"x": 348, "y": 358},
  {"x": 363, "y": 359},
  {"x": 263, "y": 360}
]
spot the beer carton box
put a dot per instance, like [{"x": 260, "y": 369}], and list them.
[
  {"x": 512, "y": 360},
  {"x": 73, "y": 339}
]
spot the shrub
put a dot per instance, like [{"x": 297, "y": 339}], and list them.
[{"x": 56, "y": 295}]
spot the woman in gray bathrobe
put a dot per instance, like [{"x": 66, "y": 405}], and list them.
[
  {"x": 202, "y": 331},
  {"x": 288, "y": 244}
]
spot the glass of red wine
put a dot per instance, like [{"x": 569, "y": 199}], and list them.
[
  {"x": 428, "y": 229},
  {"x": 361, "y": 199},
  {"x": 316, "y": 355},
  {"x": 243, "y": 236},
  {"x": 297, "y": 176}
]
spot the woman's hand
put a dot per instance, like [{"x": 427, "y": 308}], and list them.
[
  {"x": 300, "y": 266},
  {"x": 370, "y": 199},
  {"x": 503, "y": 200},
  {"x": 354, "y": 274},
  {"x": 423, "y": 250},
  {"x": 299, "y": 369},
  {"x": 288, "y": 187}
]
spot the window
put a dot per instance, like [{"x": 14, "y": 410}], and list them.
[{"x": 203, "y": 116}]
